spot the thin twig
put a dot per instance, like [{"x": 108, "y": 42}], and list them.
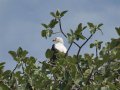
[
  {"x": 84, "y": 44},
  {"x": 76, "y": 44},
  {"x": 23, "y": 68},
  {"x": 80, "y": 70},
  {"x": 68, "y": 49},
  {"x": 56, "y": 32},
  {"x": 59, "y": 21},
  {"x": 13, "y": 71},
  {"x": 96, "y": 52},
  {"x": 61, "y": 28},
  {"x": 89, "y": 77}
]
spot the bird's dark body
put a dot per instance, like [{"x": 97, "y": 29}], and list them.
[{"x": 54, "y": 57}]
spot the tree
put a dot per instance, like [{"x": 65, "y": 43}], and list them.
[{"x": 99, "y": 71}]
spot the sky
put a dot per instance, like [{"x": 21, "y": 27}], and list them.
[{"x": 20, "y": 23}]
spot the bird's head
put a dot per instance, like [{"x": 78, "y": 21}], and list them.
[{"x": 58, "y": 40}]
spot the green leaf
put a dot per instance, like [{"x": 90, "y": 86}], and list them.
[
  {"x": 100, "y": 25},
  {"x": 32, "y": 60},
  {"x": 78, "y": 32},
  {"x": 71, "y": 38},
  {"x": 84, "y": 27},
  {"x": 115, "y": 43},
  {"x": 44, "y": 25},
  {"x": 2, "y": 63},
  {"x": 79, "y": 28},
  {"x": 19, "y": 51},
  {"x": 99, "y": 44},
  {"x": 71, "y": 31},
  {"x": 13, "y": 54},
  {"x": 92, "y": 45},
  {"x": 49, "y": 33},
  {"x": 2, "y": 66},
  {"x": 57, "y": 13},
  {"x": 24, "y": 53},
  {"x": 81, "y": 37},
  {"x": 118, "y": 30},
  {"x": 67, "y": 75},
  {"x": 53, "y": 23},
  {"x": 49, "y": 53},
  {"x": 53, "y": 14},
  {"x": 91, "y": 25},
  {"x": 3, "y": 86},
  {"x": 43, "y": 33},
  {"x": 46, "y": 33},
  {"x": 63, "y": 13}
]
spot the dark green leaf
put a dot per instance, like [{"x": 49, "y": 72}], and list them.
[
  {"x": 19, "y": 51},
  {"x": 2, "y": 66},
  {"x": 67, "y": 75},
  {"x": 91, "y": 25},
  {"x": 3, "y": 86},
  {"x": 6, "y": 74},
  {"x": 32, "y": 60},
  {"x": 53, "y": 14},
  {"x": 71, "y": 31},
  {"x": 43, "y": 33},
  {"x": 114, "y": 43},
  {"x": 79, "y": 28},
  {"x": 84, "y": 27},
  {"x": 100, "y": 25},
  {"x": 46, "y": 33},
  {"x": 13, "y": 54},
  {"x": 57, "y": 13},
  {"x": 92, "y": 45},
  {"x": 81, "y": 37},
  {"x": 53, "y": 23},
  {"x": 2, "y": 63},
  {"x": 49, "y": 33},
  {"x": 63, "y": 13},
  {"x": 118, "y": 30},
  {"x": 71, "y": 38},
  {"x": 24, "y": 53},
  {"x": 48, "y": 53},
  {"x": 99, "y": 44},
  {"x": 44, "y": 25}
]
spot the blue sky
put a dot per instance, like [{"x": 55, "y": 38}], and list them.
[{"x": 20, "y": 23}]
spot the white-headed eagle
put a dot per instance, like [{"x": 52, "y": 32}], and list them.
[{"x": 58, "y": 46}]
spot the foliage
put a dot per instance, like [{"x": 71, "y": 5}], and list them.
[{"x": 99, "y": 71}]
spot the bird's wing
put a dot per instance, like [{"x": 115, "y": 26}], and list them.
[
  {"x": 61, "y": 48},
  {"x": 53, "y": 58}
]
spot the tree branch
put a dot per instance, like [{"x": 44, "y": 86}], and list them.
[
  {"x": 59, "y": 21},
  {"x": 13, "y": 71},
  {"x": 96, "y": 52},
  {"x": 89, "y": 77},
  {"x": 83, "y": 44},
  {"x": 68, "y": 49}
]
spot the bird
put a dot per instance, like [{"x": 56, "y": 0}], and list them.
[{"x": 57, "y": 47}]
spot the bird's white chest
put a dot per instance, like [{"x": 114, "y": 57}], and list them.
[{"x": 60, "y": 47}]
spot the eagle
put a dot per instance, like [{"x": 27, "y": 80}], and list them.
[{"x": 57, "y": 47}]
